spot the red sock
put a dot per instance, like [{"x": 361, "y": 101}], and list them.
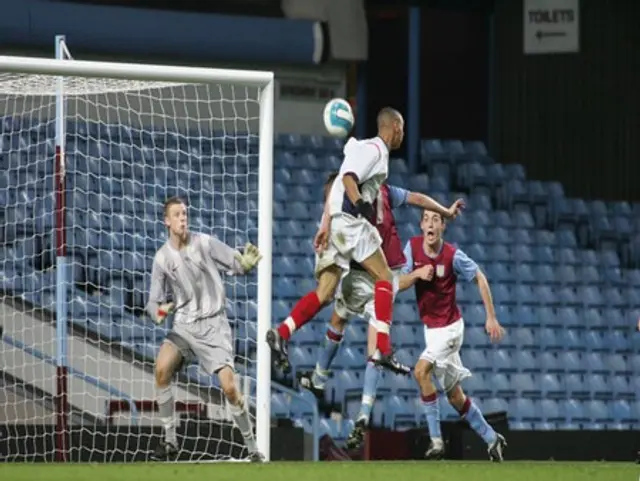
[
  {"x": 302, "y": 312},
  {"x": 383, "y": 305}
]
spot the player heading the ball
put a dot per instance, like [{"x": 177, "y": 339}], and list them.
[
  {"x": 187, "y": 270},
  {"x": 353, "y": 238}
]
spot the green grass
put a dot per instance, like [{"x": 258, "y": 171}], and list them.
[{"x": 328, "y": 471}]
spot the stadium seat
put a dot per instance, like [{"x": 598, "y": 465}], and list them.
[{"x": 521, "y": 360}]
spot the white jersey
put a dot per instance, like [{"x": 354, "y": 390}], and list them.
[{"x": 368, "y": 160}]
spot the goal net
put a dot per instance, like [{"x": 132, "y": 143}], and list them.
[{"x": 89, "y": 153}]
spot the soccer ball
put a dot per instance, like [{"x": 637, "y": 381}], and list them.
[{"x": 338, "y": 118}]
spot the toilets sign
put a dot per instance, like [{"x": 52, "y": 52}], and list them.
[{"x": 551, "y": 26}]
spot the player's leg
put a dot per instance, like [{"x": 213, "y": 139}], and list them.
[
  {"x": 316, "y": 380},
  {"x": 354, "y": 291},
  {"x": 168, "y": 361},
  {"x": 239, "y": 411},
  {"x": 429, "y": 396},
  {"x": 213, "y": 346},
  {"x": 372, "y": 375},
  {"x": 470, "y": 412},
  {"x": 304, "y": 310}
]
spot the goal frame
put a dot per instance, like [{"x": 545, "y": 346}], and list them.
[{"x": 264, "y": 80}]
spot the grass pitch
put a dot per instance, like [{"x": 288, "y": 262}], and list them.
[{"x": 325, "y": 471}]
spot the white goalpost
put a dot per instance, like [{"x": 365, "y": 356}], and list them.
[{"x": 89, "y": 151}]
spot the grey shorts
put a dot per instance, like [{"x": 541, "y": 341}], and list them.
[{"x": 208, "y": 341}]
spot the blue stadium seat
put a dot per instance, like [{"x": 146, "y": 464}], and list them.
[
  {"x": 356, "y": 334},
  {"x": 618, "y": 342},
  {"x": 515, "y": 171},
  {"x": 499, "y": 253},
  {"x": 544, "y": 255},
  {"x": 279, "y": 406},
  {"x": 496, "y": 174},
  {"x": 524, "y": 410},
  {"x": 549, "y": 362},
  {"x": 499, "y": 272},
  {"x": 576, "y": 387},
  {"x": 350, "y": 358},
  {"x": 526, "y": 316},
  {"x": 524, "y": 274},
  {"x": 407, "y": 336},
  {"x": 473, "y": 175},
  {"x": 400, "y": 413},
  {"x": 521, "y": 338},
  {"x": 476, "y": 361},
  {"x": 616, "y": 364},
  {"x": 589, "y": 275},
  {"x": 551, "y": 411},
  {"x": 494, "y": 406},
  {"x": 476, "y": 386},
  {"x": 524, "y": 385},
  {"x": 521, "y": 360},
  {"x": 476, "y": 337}
]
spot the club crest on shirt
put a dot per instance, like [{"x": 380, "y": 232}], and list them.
[{"x": 440, "y": 270}]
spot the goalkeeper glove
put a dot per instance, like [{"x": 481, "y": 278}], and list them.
[
  {"x": 365, "y": 209},
  {"x": 163, "y": 311},
  {"x": 249, "y": 258}
]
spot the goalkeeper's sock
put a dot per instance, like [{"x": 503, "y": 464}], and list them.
[
  {"x": 327, "y": 353},
  {"x": 241, "y": 418},
  {"x": 432, "y": 412},
  {"x": 164, "y": 398},
  {"x": 383, "y": 306},
  {"x": 302, "y": 312},
  {"x": 472, "y": 414},
  {"x": 372, "y": 375}
]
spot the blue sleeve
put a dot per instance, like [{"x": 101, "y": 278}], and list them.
[
  {"x": 408, "y": 265},
  {"x": 397, "y": 196},
  {"x": 464, "y": 266}
]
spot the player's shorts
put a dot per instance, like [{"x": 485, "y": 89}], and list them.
[
  {"x": 351, "y": 239},
  {"x": 355, "y": 295},
  {"x": 208, "y": 341},
  {"x": 443, "y": 351}
]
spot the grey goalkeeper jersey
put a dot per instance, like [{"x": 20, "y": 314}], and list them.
[{"x": 192, "y": 276}]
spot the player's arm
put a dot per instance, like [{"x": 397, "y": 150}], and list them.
[
  {"x": 423, "y": 201},
  {"x": 231, "y": 260},
  {"x": 157, "y": 306},
  {"x": 465, "y": 268},
  {"x": 410, "y": 276},
  {"x": 360, "y": 158},
  {"x": 321, "y": 238}
]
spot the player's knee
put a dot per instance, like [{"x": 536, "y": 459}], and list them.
[
  {"x": 422, "y": 372},
  {"x": 163, "y": 373},
  {"x": 456, "y": 396},
  {"x": 338, "y": 323},
  {"x": 231, "y": 393},
  {"x": 327, "y": 287}
]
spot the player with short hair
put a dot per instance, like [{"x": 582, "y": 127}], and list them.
[
  {"x": 355, "y": 297},
  {"x": 187, "y": 270},
  {"x": 352, "y": 237},
  {"x": 444, "y": 329}
]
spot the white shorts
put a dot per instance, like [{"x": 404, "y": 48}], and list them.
[
  {"x": 443, "y": 351},
  {"x": 351, "y": 239},
  {"x": 355, "y": 295}
]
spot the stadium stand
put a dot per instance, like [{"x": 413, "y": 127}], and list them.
[{"x": 562, "y": 272}]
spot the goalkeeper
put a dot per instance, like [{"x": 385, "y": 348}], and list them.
[{"x": 187, "y": 269}]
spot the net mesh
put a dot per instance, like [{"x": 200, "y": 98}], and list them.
[{"x": 129, "y": 146}]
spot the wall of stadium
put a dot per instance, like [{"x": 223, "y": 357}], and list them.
[{"x": 563, "y": 114}]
